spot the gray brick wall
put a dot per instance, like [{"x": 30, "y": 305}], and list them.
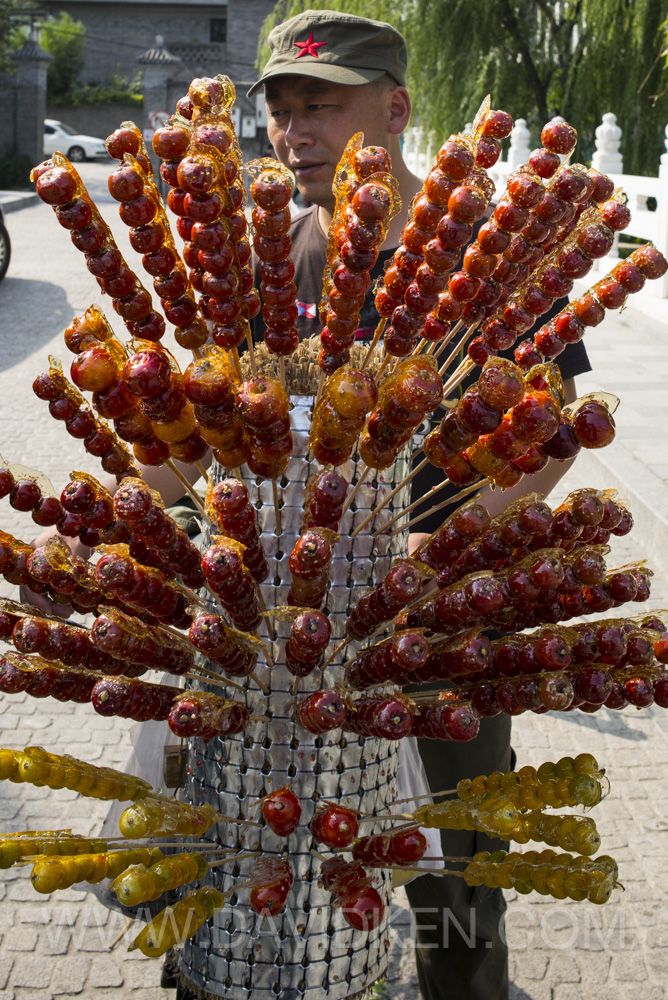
[
  {"x": 95, "y": 119},
  {"x": 117, "y": 33}
]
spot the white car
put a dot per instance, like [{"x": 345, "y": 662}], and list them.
[{"x": 62, "y": 138}]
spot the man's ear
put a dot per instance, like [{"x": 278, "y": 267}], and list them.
[{"x": 400, "y": 109}]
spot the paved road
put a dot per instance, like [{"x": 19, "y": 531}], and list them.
[{"x": 58, "y": 947}]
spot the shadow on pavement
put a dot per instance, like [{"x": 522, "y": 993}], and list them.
[
  {"x": 517, "y": 993},
  {"x": 613, "y": 725},
  {"x": 32, "y": 313}
]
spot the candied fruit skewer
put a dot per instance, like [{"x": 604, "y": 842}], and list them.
[
  {"x": 321, "y": 711},
  {"x": 383, "y": 718},
  {"x": 228, "y": 649},
  {"x": 130, "y": 640},
  {"x": 211, "y": 386},
  {"x": 142, "y": 883},
  {"x": 229, "y": 507},
  {"x": 324, "y": 500},
  {"x": 67, "y": 403},
  {"x": 16, "y": 848},
  {"x": 169, "y": 818},
  {"x": 128, "y": 138},
  {"x": 271, "y": 191},
  {"x": 359, "y": 236},
  {"x": 30, "y": 490},
  {"x": 361, "y": 905},
  {"x": 309, "y": 637},
  {"x": 588, "y": 310},
  {"x": 41, "y": 679},
  {"x": 263, "y": 407},
  {"x": 340, "y": 414},
  {"x": 142, "y": 588},
  {"x": 214, "y": 137},
  {"x": 38, "y": 766},
  {"x": 59, "y": 185},
  {"x": 433, "y": 236},
  {"x": 309, "y": 564},
  {"x": 559, "y": 875},
  {"x": 402, "y": 848},
  {"x": 568, "y": 782},
  {"x": 232, "y": 583},
  {"x": 402, "y": 655},
  {"x": 400, "y": 585},
  {"x": 489, "y": 597},
  {"x": 50, "y": 874},
  {"x": 142, "y": 509},
  {"x": 152, "y": 375},
  {"x": 175, "y": 924},
  {"x": 151, "y": 236}
]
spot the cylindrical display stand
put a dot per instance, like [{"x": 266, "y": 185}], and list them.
[{"x": 308, "y": 950}]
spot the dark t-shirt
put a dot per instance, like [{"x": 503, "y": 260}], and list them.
[{"x": 309, "y": 245}]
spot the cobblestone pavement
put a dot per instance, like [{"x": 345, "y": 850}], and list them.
[{"x": 58, "y": 946}]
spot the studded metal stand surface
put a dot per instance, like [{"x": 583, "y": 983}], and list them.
[{"x": 308, "y": 951}]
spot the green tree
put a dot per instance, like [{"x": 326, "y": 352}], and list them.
[
  {"x": 537, "y": 59},
  {"x": 15, "y": 16},
  {"x": 63, "y": 38}
]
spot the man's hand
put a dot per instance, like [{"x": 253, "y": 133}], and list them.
[{"x": 40, "y": 601}]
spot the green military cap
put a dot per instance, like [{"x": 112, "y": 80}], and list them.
[{"x": 340, "y": 48}]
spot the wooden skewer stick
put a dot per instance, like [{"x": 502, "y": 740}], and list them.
[
  {"x": 295, "y": 686},
  {"x": 194, "y": 496},
  {"x": 442, "y": 344},
  {"x": 208, "y": 678},
  {"x": 412, "y": 506},
  {"x": 335, "y": 652},
  {"x": 390, "y": 496},
  {"x": 440, "y": 506},
  {"x": 356, "y": 488},
  {"x": 277, "y": 510},
  {"x": 202, "y": 471},
  {"x": 377, "y": 334},
  {"x": 262, "y": 686},
  {"x": 251, "y": 350},
  {"x": 419, "y": 346},
  {"x": 281, "y": 370},
  {"x": 379, "y": 373},
  {"x": 234, "y": 354},
  {"x": 128, "y": 924},
  {"x": 427, "y": 795},
  {"x": 458, "y": 376},
  {"x": 321, "y": 386},
  {"x": 196, "y": 353},
  {"x": 234, "y": 857}
]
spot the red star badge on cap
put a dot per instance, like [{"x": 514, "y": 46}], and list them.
[{"x": 309, "y": 47}]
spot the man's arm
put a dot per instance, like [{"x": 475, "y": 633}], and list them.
[
  {"x": 159, "y": 478},
  {"x": 496, "y": 500}
]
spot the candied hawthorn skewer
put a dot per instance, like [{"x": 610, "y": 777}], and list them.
[
  {"x": 339, "y": 415},
  {"x": 58, "y": 184},
  {"x": 67, "y": 404},
  {"x": 229, "y": 507},
  {"x": 232, "y": 582},
  {"x": 41, "y": 679},
  {"x": 560, "y": 875},
  {"x": 135, "y": 188},
  {"x": 402, "y": 848},
  {"x": 321, "y": 711},
  {"x": 198, "y": 713},
  {"x": 589, "y": 309},
  {"x": 263, "y": 406},
  {"x": 324, "y": 499},
  {"x": 222, "y": 645},
  {"x": 142, "y": 587},
  {"x": 352, "y": 892},
  {"x": 211, "y": 386},
  {"x": 400, "y": 585},
  {"x": 271, "y": 191},
  {"x": 359, "y": 236},
  {"x": 142, "y": 883},
  {"x": 308, "y": 640},
  {"x": 131, "y": 641},
  {"x": 309, "y": 564},
  {"x": 390, "y": 660}
]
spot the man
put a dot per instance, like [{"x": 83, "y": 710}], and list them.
[{"x": 329, "y": 76}]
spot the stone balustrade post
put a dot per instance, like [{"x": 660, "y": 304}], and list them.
[
  {"x": 520, "y": 139},
  {"x": 30, "y": 106},
  {"x": 607, "y": 157}
]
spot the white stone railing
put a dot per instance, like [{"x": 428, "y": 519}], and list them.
[{"x": 420, "y": 151}]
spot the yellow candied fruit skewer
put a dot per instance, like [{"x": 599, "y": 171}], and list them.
[
  {"x": 51, "y": 843},
  {"x": 140, "y": 884},
  {"x": 175, "y": 924},
  {"x": 568, "y": 782},
  {"x": 40, "y": 767},
  {"x": 50, "y": 874},
  {"x": 562, "y": 875},
  {"x": 166, "y": 819}
]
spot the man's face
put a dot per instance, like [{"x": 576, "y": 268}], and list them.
[{"x": 310, "y": 122}]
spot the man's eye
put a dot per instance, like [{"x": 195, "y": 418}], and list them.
[{"x": 277, "y": 114}]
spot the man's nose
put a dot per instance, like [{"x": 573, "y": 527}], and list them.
[{"x": 297, "y": 134}]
